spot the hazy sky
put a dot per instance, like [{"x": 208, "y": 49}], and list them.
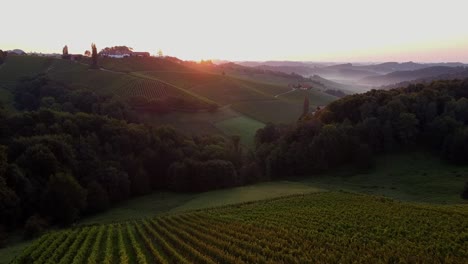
[{"x": 322, "y": 30}]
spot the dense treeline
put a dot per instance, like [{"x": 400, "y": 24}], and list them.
[
  {"x": 38, "y": 92},
  {"x": 351, "y": 130},
  {"x": 70, "y": 152}
]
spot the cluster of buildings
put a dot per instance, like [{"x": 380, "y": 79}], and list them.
[{"x": 125, "y": 55}]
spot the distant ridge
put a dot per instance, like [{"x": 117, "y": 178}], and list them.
[{"x": 401, "y": 76}]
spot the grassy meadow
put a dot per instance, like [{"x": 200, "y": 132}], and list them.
[
  {"x": 242, "y": 126},
  {"x": 274, "y": 111}
]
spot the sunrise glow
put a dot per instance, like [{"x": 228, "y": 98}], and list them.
[{"x": 362, "y": 30}]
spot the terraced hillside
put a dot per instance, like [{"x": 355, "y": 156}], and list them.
[
  {"x": 258, "y": 98},
  {"x": 79, "y": 75},
  {"x": 265, "y": 102},
  {"x": 331, "y": 227},
  {"x": 219, "y": 88}
]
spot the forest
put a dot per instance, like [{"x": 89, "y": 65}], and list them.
[
  {"x": 67, "y": 152},
  {"x": 430, "y": 117}
]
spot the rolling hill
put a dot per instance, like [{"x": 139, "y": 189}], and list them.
[
  {"x": 358, "y": 77},
  {"x": 461, "y": 75},
  {"x": 241, "y": 95},
  {"x": 401, "y": 76}
]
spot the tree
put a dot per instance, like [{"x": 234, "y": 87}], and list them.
[
  {"x": 94, "y": 54},
  {"x": 39, "y": 161},
  {"x": 305, "y": 110},
  {"x": 407, "y": 125},
  {"x": 3, "y": 55},
  {"x": 65, "y": 54},
  {"x": 267, "y": 134},
  {"x": 64, "y": 198},
  {"x": 87, "y": 53},
  {"x": 117, "y": 50},
  {"x": 115, "y": 182},
  {"x": 9, "y": 205},
  {"x": 464, "y": 194},
  {"x": 97, "y": 198},
  {"x": 34, "y": 226},
  {"x": 160, "y": 53}
]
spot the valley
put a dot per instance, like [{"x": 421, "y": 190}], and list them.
[{"x": 211, "y": 106}]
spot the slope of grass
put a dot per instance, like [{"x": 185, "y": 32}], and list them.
[
  {"x": 315, "y": 228},
  {"x": 181, "y": 89},
  {"x": 397, "y": 176},
  {"x": 413, "y": 176},
  {"x": 16, "y": 67},
  {"x": 218, "y": 88},
  {"x": 242, "y": 126},
  {"x": 200, "y": 123},
  {"x": 275, "y": 111},
  {"x": 165, "y": 202}
]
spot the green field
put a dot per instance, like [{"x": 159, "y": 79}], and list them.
[
  {"x": 165, "y": 202},
  {"x": 274, "y": 111},
  {"x": 200, "y": 123},
  {"x": 241, "y": 126},
  {"x": 413, "y": 177},
  {"x": 218, "y": 88},
  {"x": 314, "y": 228},
  {"x": 120, "y": 84},
  {"x": 398, "y": 176}
]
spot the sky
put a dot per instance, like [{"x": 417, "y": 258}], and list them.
[{"x": 313, "y": 30}]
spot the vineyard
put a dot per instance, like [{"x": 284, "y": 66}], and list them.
[
  {"x": 146, "y": 88},
  {"x": 329, "y": 227}
]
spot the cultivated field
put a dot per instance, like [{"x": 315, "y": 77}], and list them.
[
  {"x": 242, "y": 126},
  {"x": 218, "y": 88},
  {"x": 317, "y": 228}
]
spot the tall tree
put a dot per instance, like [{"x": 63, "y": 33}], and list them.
[
  {"x": 305, "y": 110},
  {"x": 94, "y": 55},
  {"x": 65, "y": 52},
  {"x": 3, "y": 55}
]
